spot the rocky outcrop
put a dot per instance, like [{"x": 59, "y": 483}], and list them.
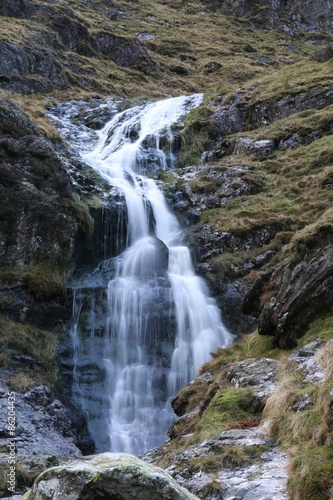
[
  {"x": 240, "y": 115},
  {"x": 109, "y": 475},
  {"x": 244, "y": 461},
  {"x": 40, "y": 68},
  {"x": 26, "y": 67},
  {"x": 123, "y": 51},
  {"x": 292, "y": 15},
  {"x": 302, "y": 294},
  {"x": 263, "y": 476},
  {"x": 38, "y": 213},
  {"x": 258, "y": 149},
  {"x": 44, "y": 431},
  {"x": 263, "y": 113}
]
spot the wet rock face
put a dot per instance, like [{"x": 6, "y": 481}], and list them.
[
  {"x": 108, "y": 475},
  {"x": 34, "y": 191}
]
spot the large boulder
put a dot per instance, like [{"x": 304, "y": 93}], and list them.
[{"x": 115, "y": 476}]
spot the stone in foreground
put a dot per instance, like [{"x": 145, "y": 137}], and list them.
[{"x": 115, "y": 476}]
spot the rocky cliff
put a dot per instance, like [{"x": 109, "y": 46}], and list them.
[{"x": 253, "y": 192}]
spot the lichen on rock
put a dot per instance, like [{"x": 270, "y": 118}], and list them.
[{"x": 110, "y": 475}]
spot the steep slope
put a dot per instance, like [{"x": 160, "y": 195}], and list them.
[{"x": 137, "y": 49}]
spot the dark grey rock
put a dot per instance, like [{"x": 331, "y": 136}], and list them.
[
  {"x": 230, "y": 119},
  {"x": 290, "y": 15},
  {"x": 35, "y": 225},
  {"x": 324, "y": 54},
  {"x": 125, "y": 52},
  {"x": 231, "y": 304},
  {"x": 17, "y": 61},
  {"x": 303, "y": 292}
]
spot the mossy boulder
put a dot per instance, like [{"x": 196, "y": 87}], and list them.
[{"x": 115, "y": 476}]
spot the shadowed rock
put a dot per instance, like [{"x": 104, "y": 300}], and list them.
[{"x": 303, "y": 294}]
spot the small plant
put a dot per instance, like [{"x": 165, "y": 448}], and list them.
[
  {"x": 213, "y": 488},
  {"x": 36, "y": 344}
]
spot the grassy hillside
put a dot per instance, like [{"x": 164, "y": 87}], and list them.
[{"x": 180, "y": 46}]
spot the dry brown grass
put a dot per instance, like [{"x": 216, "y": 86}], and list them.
[
  {"x": 20, "y": 382},
  {"x": 304, "y": 434}
]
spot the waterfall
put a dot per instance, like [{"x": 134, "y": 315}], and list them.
[{"x": 152, "y": 322}]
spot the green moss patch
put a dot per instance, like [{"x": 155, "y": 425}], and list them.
[
  {"x": 44, "y": 281},
  {"x": 227, "y": 406},
  {"x": 37, "y": 344}
]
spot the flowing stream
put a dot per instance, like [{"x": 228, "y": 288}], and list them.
[{"x": 143, "y": 321}]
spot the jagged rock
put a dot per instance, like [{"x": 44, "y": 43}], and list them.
[
  {"x": 16, "y": 8},
  {"x": 295, "y": 140},
  {"x": 181, "y": 400},
  {"x": 210, "y": 242},
  {"x": 263, "y": 113},
  {"x": 257, "y": 373},
  {"x": 324, "y": 54},
  {"x": 228, "y": 119},
  {"x": 36, "y": 225},
  {"x": 44, "y": 431},
  {"x": 292, "y": 15},
  {"x": 303, "y": 293},
  {"x": 306, "y": 360},
  {"x": 190, "y": 192},
  {"x": 251, "y": 303},
  {"x": 43, "y": 424},
  {"x": 258, "y": 149},
  {"x": 19, "y": 61},
  {"x": 109, "y": 475},
  {"x": 231, "y": 304},
  {"x": 262, "y": 478},
  {"x": 124, "y": 51}
]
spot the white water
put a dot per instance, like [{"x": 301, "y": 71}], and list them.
[{"x": 142, "y": 376}]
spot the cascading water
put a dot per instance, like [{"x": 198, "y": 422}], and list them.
[{"x": 158, "y": 324}]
